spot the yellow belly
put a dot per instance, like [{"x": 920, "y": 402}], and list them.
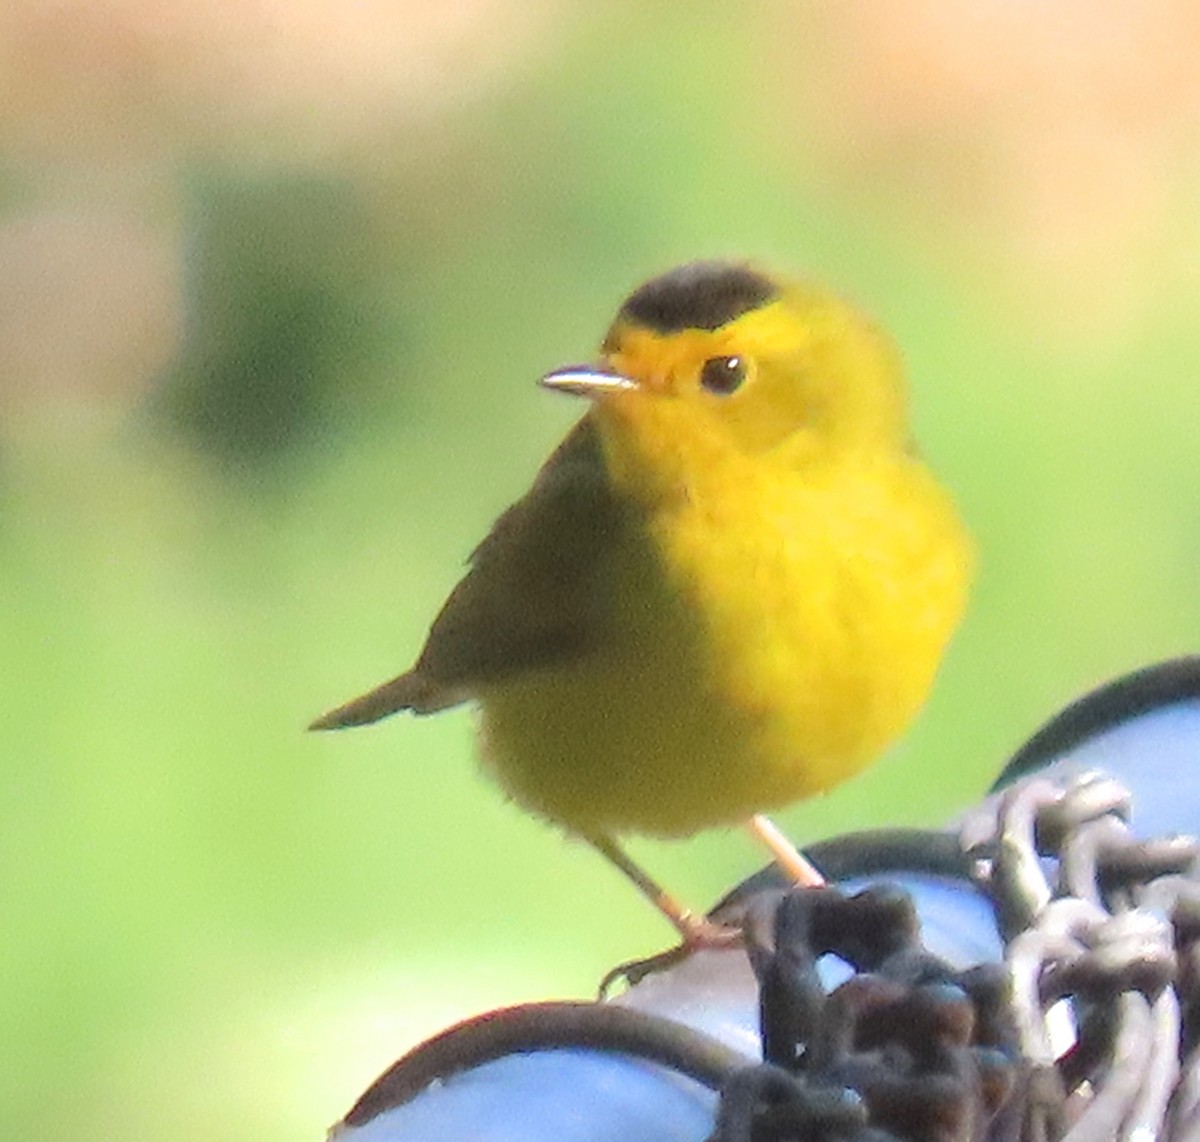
[
  {"x": 745, "y": 666},
  {"x": 632, "y": 737}
]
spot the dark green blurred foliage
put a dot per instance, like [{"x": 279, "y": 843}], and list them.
[{"x": 287, "y": 324}]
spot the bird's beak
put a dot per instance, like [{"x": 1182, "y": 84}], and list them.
[{"x": 587, "y": 381}]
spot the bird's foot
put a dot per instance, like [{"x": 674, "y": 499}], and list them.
[{"x": 699, "y": 934}]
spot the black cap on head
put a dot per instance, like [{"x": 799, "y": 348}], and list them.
[{"x": 699, "y": 295}]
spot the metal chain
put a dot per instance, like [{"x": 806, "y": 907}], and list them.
[
  {"x": 906, "y": 1049},
  {"x": 1088, "y": 1031},
  {"x": 1102, "y": 939}
]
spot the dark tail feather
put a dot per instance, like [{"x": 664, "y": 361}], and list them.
[{"x": 407, "y": 692}]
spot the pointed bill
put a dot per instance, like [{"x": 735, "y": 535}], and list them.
[{"x": 586, "y": 381}]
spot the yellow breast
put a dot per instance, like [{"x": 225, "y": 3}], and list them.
[{"x": 773, "y": 630}]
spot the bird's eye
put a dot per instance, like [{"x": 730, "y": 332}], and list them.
[{"x": 722, "y": 375}]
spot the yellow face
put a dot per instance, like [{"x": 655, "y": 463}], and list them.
[{"x": 801, "y": 362}]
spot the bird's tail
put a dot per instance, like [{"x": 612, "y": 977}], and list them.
[{"x": 407, "y": 692}]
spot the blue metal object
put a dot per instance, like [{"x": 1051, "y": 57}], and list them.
[
  {"x": 1144, "y": 729},
  {"x": 565, "y": 1094}
]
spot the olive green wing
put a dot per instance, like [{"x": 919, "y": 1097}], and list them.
[{"x": 536, "y": 593}]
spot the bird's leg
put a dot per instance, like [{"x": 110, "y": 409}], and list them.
[
  {"x": 785, "y": 854},
  {"x": 696, "y": 931}
]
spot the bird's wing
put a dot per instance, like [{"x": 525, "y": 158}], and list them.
[{"x": 535, "y": 593}]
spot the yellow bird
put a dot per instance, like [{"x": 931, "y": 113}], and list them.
[{"x": 728, "y": 589}]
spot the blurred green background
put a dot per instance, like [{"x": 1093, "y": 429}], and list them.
[{"x": 275, "y": 285}]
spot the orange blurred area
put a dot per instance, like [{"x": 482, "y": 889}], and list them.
[
  {"x": 256, "y": 79},
  {"x": 1068, "y": 130}
]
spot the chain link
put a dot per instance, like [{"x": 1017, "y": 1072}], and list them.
[{"x": 1100, "y": 932}]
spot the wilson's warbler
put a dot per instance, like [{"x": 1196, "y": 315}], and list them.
[{"x": 728, "y": 589}]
